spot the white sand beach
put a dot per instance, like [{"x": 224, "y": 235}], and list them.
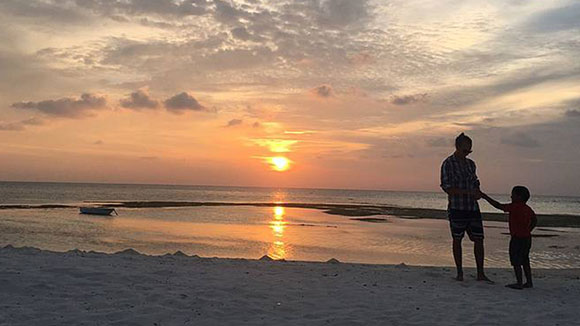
[{"x": 80, "y": 288}]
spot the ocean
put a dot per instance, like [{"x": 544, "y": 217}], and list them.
[{"x": 253, "y": 231}]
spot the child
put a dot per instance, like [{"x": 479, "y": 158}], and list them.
[{"x": 522, "y": 220}]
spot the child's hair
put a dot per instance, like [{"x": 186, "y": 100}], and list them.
[
  {"x": 462, "y": 138},
  {"x": 521, "y": 192}
]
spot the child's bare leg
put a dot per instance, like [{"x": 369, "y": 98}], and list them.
[
  {"x": 518, "y": 285},
  {"x": 457, "y": 256},
  {"x": 528, "y": 272}
]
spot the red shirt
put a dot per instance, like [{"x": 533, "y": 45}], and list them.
[{"x": 520, "y": 219}]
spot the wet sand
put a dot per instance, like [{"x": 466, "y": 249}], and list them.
[{"x": 544, "y": 220}]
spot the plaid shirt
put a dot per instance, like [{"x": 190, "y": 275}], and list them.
[{"x": 456, "y": 173}]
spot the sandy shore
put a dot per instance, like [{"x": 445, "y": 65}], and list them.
[{"x": 80, "y": 288}]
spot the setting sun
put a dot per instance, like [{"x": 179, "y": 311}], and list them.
[{"x": 279, "y": 163}]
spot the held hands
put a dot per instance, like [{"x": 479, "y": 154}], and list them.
[{"x": 477, "y": 194}]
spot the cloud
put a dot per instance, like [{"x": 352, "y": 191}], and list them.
[
  {"x": 573, "y": 113},
  {"x": 408, "y": 99},
  {"x": 558, "y": 19},
  {"x": 341, "y": 13},
  {"x": 66, "y": 107},
  {"x": 234, "y": 122},
  {"x": 139, "y": 100},
  {"x": 440, "y": 142},
  {"x": 323, "y": 91},
  {"x": 141, "y": 7},
  {"x": 20, "y": 125},
  {"x": 520, "y": 139},
  {"x": 241, "y": 33},
  {"x": 183, "y": 102}
]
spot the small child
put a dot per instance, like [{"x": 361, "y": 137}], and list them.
[{"x": 522, "y": 220}]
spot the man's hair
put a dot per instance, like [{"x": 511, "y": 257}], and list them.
[
  {"x": 521, "y": 192},
  {"x": 461, "y": 139}
]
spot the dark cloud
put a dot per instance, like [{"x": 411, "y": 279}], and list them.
[
  {"x": 341, "y": 13},
  {"x": 573, "y": 113},
  {"x": 408, "y": 99},
  {"x": 183, "y": 102},
  {"x": 66, "y": 107},
  {"x": 323, "y": 91},
  {"x": 20, "y": 125},
  {"x": 98, "y": 142},
  {"x": 256, "y": 125},
  {"x": 241, "y": 33},
  {"x": 520, "y": 139},
  {"x": 559, "y": 19},
  {"x": 234, "y": 122},
  {"x": 143, "y": 7},
  {"x": 139, "y": 100},
  {"x": 53, "y": 11}
]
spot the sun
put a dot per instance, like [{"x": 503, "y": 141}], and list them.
[{"x": 279, "y": 163}]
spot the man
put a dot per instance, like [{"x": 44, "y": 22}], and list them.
[{"x": 459, "y": 181}]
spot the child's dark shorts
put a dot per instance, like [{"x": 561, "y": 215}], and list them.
[
  {"x": 520, "y": 251},
  {"x": 465, "y": 221}
]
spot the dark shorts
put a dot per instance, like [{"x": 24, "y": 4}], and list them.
[
  {"x": 520, "y": 251},
  {"x": 465, "y": 221}
]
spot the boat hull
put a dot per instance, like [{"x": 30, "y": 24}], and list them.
[{"x": 97, "y": 210}]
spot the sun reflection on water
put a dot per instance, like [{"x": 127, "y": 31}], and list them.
[{"x": 278, "y": 249}]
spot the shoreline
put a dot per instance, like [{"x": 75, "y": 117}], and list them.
[
  {"x": 347, "y": 210},
  {"x": 127, "y": 288}
]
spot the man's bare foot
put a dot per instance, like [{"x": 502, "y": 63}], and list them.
[
  {"x": 515, "y": 286},
  {"x": 528, "y": 285},
  {"x": 485, "y": 279},
  {"x": 459, "y": 277}
]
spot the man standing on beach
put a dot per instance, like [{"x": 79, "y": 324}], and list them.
[{"x": 459, "y": 181}]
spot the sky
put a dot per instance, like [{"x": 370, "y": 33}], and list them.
[{"x": 355, "y": 94}]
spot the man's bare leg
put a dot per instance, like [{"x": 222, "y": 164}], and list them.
[
  {"x": 479, "y": 253},
  {"x": 457, "y": 256}
]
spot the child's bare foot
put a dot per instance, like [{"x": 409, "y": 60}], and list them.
[
  {"x": 485, "y": 279},
  {"x": 528, "y": 285},
  {"x": 515, "y": 286}
]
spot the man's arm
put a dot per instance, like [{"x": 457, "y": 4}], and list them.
[
  {"x": 493, "y": 202},
  {"x": 477, "y": 184}
]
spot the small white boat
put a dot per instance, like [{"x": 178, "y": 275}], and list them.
[{"x": 97, "y": 210}]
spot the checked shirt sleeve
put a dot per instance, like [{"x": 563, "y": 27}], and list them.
[{"x": 446, "y": 175}]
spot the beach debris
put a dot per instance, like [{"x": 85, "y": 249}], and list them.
[
  {"x": 180, "y": 253},
  {"x": 76, "y": 252},
  {"x": 370, "y": 219},
  {"x": 266, "y": 258},
  {"x": 333, "y": 261},
  {"x": 402, "y": 265},
  {"x": 129, "y": 251},
  {"x": 9, "y": 246}
]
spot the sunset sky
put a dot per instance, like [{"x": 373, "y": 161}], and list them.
[{"x": 304, "y": 93}]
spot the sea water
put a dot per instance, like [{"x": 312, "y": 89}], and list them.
[{"x": 251, "y": 232}]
